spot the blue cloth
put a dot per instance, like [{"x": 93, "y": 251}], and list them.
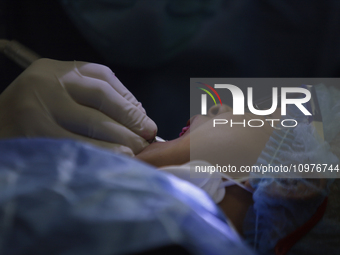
[{"x": 66, "y": 197}]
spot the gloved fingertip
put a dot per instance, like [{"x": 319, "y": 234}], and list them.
[
  {"x": 148, "y": 134},
  {"x": 124, "y": 150},
  {"x": 145, "y": 143},
  {"x": 141, "y": 108},
  {"x": 151, "y": 129},
  {"x": 147, "y": 129},
  {"x": 139, "y": 144}
]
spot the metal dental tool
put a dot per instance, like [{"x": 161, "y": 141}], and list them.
[
  {"x": 159, "y": 140},
  {"x": 18, "y": 53}
]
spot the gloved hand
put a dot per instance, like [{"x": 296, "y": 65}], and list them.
[{"x": 76, "y": 100}]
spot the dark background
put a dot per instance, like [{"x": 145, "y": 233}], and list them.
[{"x": 244, "y": 38}]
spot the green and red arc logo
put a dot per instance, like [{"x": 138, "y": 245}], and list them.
[{"x": 209, "y": 93}]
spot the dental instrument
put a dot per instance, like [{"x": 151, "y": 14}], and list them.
[
  {"x": 159, "y": 139},
  {"x": 18, "y": 53}
]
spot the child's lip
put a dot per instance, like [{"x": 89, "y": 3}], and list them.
[
  {"x": 187, "y": 127},
  {"x": 184, "y": 130}
]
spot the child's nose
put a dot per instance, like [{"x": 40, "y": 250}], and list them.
[{"x": 218, "y": 109}]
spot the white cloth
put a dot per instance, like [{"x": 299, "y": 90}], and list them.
[{"x": 209, "y": 182}]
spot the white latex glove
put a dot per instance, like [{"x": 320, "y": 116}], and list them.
[{"x": 76, "y": 100}]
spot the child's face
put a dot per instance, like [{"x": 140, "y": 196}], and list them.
[{"x": 222, "y": 144}]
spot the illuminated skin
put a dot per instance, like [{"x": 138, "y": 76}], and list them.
[{"x": 221, "y": 145}]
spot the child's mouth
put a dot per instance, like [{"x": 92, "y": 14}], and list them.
[{"x": 185, "y": 129}]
